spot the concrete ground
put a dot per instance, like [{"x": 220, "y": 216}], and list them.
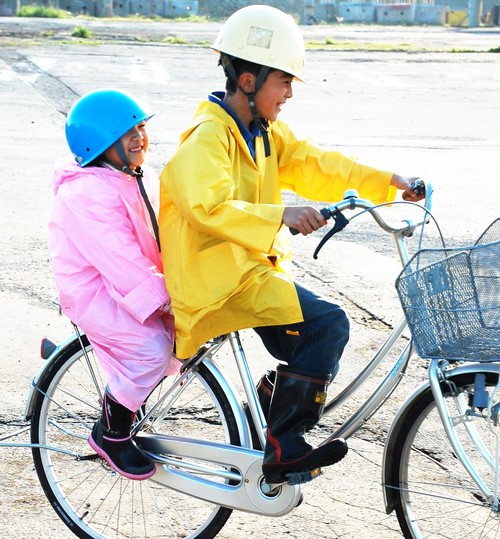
[{"x": 433, "y": 114}]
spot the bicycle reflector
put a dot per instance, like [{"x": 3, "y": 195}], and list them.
[{"x": 46, "y": 348}]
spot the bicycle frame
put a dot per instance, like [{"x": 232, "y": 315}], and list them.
[
  {"x": 236, "y": 481},
  {"x": 243, "y": 465},
  {"x": 230, "y": 476}
]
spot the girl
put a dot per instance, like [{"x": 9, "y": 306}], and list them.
[{"x": 107, "y": 265}]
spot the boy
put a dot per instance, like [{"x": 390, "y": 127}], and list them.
[{"x": 228, "y": 262}]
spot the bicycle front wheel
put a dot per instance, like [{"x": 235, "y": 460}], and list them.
[
  {"x": 434, "y": 496},
  {"x": 93, "y": 500}
]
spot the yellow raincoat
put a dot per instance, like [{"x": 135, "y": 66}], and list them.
[{"x": 226, "y": 255}]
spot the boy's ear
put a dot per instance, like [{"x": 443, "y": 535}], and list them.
[{"x": 247, "y": 82}]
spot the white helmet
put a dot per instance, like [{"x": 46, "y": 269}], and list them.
[{"x": 265, "y": 36}]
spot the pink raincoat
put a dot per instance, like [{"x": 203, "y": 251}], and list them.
[{"x": 109, "y": 275}]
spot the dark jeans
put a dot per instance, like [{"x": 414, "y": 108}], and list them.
[{"x": 314, "y": 345}]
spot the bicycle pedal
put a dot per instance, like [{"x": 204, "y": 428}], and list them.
[
  {"x": 93, "y": 456},
  {"x": 297, "y": 478}
]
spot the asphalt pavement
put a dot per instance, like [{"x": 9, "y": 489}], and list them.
[
  {"x": 428, "y": 114},
  {"x": 433, "y": 114}
]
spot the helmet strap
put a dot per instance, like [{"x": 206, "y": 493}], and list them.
[
  {"x": 120, "y": 150},
  {"x": 152, "y": 216},
  {"x": 138, "y": 174},
  {"x": 259, "y": 122},
  {"x": 229, "y": 70}
]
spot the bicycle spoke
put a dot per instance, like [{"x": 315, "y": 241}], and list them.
[
  {"x": 87, "y": 493},
  {"x": 435, "y": 495}
]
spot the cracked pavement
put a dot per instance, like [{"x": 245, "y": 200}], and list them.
[{"x": 433, "y": 114}]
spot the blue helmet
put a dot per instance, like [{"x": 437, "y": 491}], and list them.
[{"x": 98, "y": 119}]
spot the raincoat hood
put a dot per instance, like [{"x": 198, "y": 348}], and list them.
[{"x": 66, "y": 170}]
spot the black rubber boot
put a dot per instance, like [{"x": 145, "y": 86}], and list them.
[
  {"x": 264, "y": 388},
  {"x": 111, "y": 440},
  {"x": 297, "y": 405}
]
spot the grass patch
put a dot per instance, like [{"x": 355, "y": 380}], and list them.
[
  {"x": 192, "y": 18},
  {"x": 43, "y": 12},
  {"x": 331, "y": 44},
  {"x": 175, "y": 40},
  {"x": 81, "y": 31}
]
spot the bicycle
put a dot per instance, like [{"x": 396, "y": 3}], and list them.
[{"x": 441, "y": 454}]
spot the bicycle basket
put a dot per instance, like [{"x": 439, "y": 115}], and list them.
[{"x": 451, "y": 301}]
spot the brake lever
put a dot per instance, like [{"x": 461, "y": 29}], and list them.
[
  {"x": 341, "y": 222},
  {"x": 325, "y": 212}
]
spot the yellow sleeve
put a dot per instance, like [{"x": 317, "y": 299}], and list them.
[{"x": 322, "y": 175}]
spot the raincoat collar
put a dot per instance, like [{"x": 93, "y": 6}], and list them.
[
  {"x": 66, "y": 170},
  {"x": 248, "y": 134}
]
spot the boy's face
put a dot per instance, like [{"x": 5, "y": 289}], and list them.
[
  {"x": 135, "y": 143},
  {"x": 273, "y": 94}
]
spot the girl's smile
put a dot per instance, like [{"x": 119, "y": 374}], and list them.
[{"x": 135, "y": 143}]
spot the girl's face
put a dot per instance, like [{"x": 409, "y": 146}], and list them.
[
  {"x": 273, "y": 94},
  {"x": 135, "y": 143}
]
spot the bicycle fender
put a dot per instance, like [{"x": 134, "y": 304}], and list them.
[
  {"x": 400, "y": 419},
  {"x": 60, "y": 350}
]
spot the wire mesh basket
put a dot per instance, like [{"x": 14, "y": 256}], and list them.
[{"x": 451, "y": 300}]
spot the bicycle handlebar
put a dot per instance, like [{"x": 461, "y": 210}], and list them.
[{"x": 352, "y": 201}]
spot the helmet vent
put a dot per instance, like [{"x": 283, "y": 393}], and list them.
[{"x": 260, "y": 37}]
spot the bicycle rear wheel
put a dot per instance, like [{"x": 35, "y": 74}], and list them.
[
  {"x": 434, "y": 496},
  {"x": 93, "y": 500}
]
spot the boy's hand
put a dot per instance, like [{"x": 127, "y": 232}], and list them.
[
  {"x": 304, "y": 219},
  {"x": 405, "y": 184}
]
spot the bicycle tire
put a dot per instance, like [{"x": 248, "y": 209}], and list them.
[
  {"x": 434, "y": 496},
  {"x": 91, "y": 499}
]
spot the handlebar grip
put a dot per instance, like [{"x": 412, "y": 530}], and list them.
[
  {"x": 325, "y": 212},
  {"x": 418, "y": 187}
]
